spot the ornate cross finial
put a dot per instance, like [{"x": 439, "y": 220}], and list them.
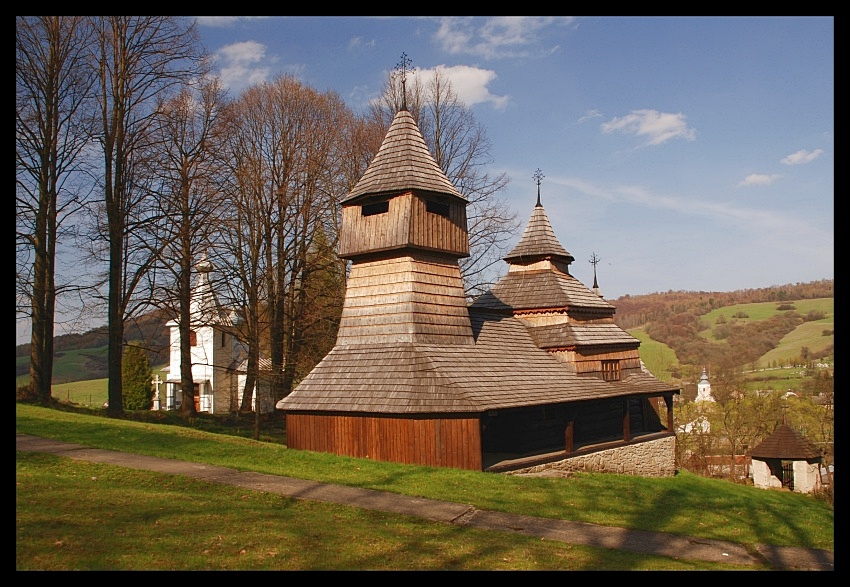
[
  {"x": 538, "y": 177},
  {"x": 594, "y": 260},
  {"x": 402, "y": 67}
]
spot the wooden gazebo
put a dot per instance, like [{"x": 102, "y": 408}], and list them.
[{"x": 787, "y": 459}]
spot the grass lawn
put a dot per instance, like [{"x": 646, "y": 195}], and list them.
[
  {"x": 685, "y": 504},
  {"x": 73, "y": 515}
]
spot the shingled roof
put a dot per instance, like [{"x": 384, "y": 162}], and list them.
[
  {"x": 787, "y": 444},
  {"x": 572, "y": 334},
  {"x": 403, "y": 163},
  {"x": 538, "y": 290},
  {"x": 538, "y": 240},
  {"x": 503, "y": 369}
]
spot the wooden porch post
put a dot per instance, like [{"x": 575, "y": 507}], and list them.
[
  {"x": 568, "y": 437},
  {"x": 626, "y": 431},
  {"x": 668, "y": 399}
]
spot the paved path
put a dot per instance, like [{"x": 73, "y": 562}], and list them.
[{"x": 681, "y": 547}]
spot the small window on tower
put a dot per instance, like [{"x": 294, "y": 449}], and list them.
[
  {"x": 376, "y": 208},
  {"x": 611, "y": 370},
  {"x": 193, "y": 338},
  {"x": 437, "y": 208},
  {"x": 223, "y": 338}
]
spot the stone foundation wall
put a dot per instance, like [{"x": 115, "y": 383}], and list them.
[{"x": 654, "y": 458}]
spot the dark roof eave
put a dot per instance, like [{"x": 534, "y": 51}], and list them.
[{"x": 379, "y": 195}]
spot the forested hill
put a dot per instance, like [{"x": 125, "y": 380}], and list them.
[
  {"x": 632, "y": 312},
  {"x": 636, "y": 311},
  {"x": 149, "y": 328}
]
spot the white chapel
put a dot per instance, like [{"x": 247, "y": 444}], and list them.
[
  {"x": 704, "y": 388},
  {"x": 219, "y": 359}
]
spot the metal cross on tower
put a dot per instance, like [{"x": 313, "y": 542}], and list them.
[
  {"x": 402, "y": 67},
  {"x": 594, "y": 260},
  {"x": 538, "y": 177}
]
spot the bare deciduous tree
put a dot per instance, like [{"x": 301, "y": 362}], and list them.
[
  {"x": 189, "y": 205},
  {"x": 52, "y": 84},
  {"x": 290, "y": 152},
  {"x": 139, "y": 60}
]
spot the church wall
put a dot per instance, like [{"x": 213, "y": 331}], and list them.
[
  {"x": 210, "y": 363},
  {"x": 436, "y": 231},
  {"x": 591, "y": 364},
  {"x": 548, "y": 318},
  {"x": 412, "y": 298},
  {"x": 439, "y": 440}
]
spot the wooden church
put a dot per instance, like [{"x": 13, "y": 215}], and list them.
[{"x": 534, "y": 373}]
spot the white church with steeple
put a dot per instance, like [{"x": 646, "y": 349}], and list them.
[
  {"x": 704, "y": 388},
  {"x": 219, "y": 359}
]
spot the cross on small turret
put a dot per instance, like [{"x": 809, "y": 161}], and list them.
[
  {"x": 538, "y": 177},
  {"x": 594, "y": 260},
  {"x": 402, "y": 67}
]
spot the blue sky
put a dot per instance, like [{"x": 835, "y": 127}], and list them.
[{"x": 686, "y": 153}]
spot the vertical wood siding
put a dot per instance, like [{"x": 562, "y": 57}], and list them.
[
  {"x": 629, "y": 361},
  {"x": 445, "y": 441},
  {"x": 407, "y": 223}
]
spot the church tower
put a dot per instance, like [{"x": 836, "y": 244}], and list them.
[
  {"x": 404, "y": 229},
  {"x": 704, "y": 388}
]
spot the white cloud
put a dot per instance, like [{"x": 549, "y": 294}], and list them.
[
  {"x": 657, "y": 127},
  {"x": 590, "y": 114},
  {"x": 357, "y": 42},
  {"x": 469, "y": 83},
  {"x": 639, "y": 196},
  {"x": 802, "y": 156},
  {"x": 242, "y": 64},
  {"x": 496, "y": 37},
  {"x": 759, "y": 179}
]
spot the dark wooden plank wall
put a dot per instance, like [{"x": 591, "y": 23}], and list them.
[
  {"x": 524, "y": 430},
  {"x": 439, "y": 442}
]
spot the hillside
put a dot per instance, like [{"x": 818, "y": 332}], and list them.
[
  {"x": 82, "y": 356},
  {"x": 636, "y": 311},
  {"x": 683, "y": 332},
  {"x": 670, "y": 326}
]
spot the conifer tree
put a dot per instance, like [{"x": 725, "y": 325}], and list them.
[{"x": 136, "y": 375}]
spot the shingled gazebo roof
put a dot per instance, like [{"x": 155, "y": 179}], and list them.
[
  {"x": 403, "y": 163},
  {"x": 786, "y": 444}
]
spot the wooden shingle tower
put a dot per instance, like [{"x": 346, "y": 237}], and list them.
[{"x": 404, "y": 229}]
